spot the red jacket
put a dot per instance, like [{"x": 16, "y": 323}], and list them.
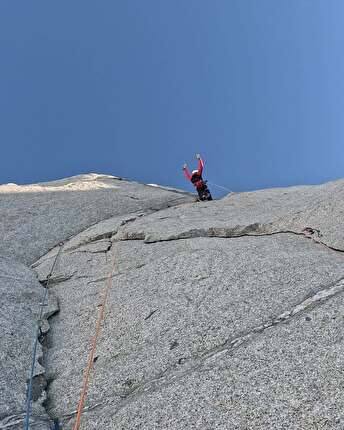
[{"x": 199, "y": 183}]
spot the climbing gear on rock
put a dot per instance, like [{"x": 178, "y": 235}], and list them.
[{"x": 311, "y": 231}]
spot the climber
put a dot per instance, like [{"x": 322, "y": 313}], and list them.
[{"x": 196, "y": 178}]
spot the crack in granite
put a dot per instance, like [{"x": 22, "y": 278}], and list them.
[{"x": 205, "y": 360}]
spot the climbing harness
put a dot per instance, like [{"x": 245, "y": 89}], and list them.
[
  {"x": 204, "y": 193},
  {"x": 90, "y": 360},
  {"x": 35, "y": 341}
]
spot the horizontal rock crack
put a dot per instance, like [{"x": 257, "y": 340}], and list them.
[{"x": 253, "y": 230}]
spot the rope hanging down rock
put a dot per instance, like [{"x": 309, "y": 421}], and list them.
[
  {"x": 90, "y": 360},
  {"x": 35, "y": 341}
]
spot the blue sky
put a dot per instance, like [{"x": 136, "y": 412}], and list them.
[{"x": 135, "y": 88}]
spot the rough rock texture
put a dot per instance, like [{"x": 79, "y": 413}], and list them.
[
  {"x": 20, "y": 293},
  {"x": 221, "y": 315},
  {"x": 34, "y": 218},
  {"x": 319, "y": 208}
]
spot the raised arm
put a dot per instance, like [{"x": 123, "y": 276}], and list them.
[
  {"x": 200, "y": 164},
  {"x": 186, "y": 172}
]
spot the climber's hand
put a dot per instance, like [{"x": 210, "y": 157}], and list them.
[
  {"x": 198, "y": 156},
  {"x": 185, "y": 166}
]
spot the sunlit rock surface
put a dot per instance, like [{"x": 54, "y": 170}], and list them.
[
  {"x": 34, "y": 218},
  {"x": 221, "y": 315}
]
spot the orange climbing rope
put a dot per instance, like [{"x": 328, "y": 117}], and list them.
[{"x": 88, "y": 368}]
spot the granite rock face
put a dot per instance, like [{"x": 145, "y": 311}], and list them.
[
  {"x": 20, "y": 294},
  {"x": 34, "y": 218},
  {"x": 316, "y": 211},
  {"x": 221, "y": 315}
]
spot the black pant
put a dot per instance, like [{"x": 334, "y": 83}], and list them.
[{"x": 204, "y": 193}]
